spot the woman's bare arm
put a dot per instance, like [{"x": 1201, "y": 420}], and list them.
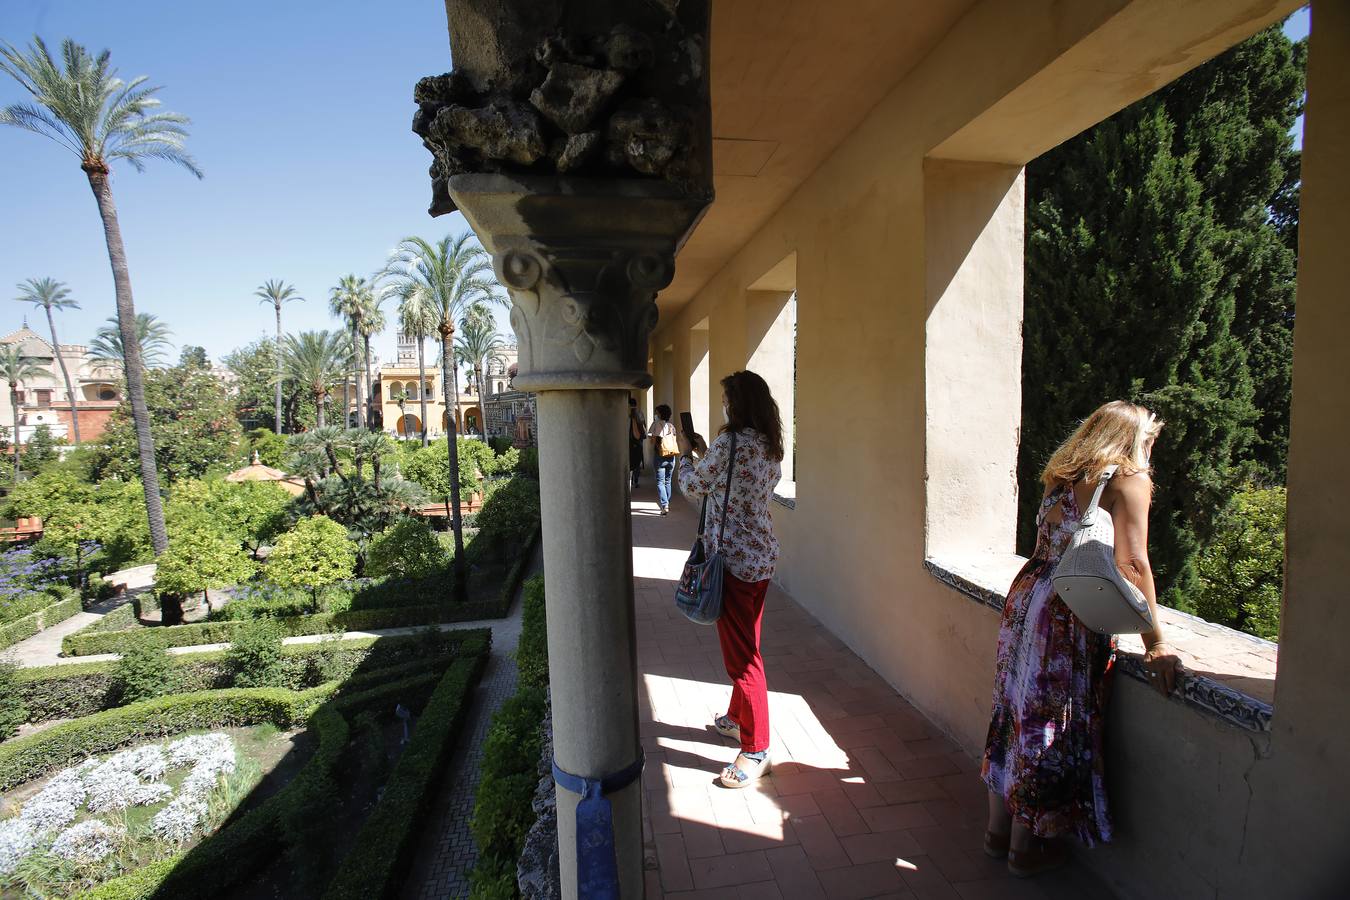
[{"x": 1129, "y": 512}]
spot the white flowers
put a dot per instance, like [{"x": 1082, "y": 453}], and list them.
[
  {"x": 87, "y": 842},
  {"x": 132, "y": 777}
]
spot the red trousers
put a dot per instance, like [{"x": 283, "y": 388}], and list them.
[{"x": 738, "y": 629}]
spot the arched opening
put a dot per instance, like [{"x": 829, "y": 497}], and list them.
[
  {"x": 409, "y": 426},
  {"x": 473, "y": 420}
]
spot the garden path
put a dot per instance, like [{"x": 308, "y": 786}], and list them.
[
  {"x": 447, "y": 852},
  {"x": 44, "y": 648}
]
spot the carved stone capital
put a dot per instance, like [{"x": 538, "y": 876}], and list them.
[{"x": 583, "y": 260}]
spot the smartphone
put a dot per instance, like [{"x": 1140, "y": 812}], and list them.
[{"x": 687, "y": 426}]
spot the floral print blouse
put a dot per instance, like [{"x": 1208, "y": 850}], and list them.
[{"x": 750, "y": 549}]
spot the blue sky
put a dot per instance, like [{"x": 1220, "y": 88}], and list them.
[{"x": 300, "y": 120}]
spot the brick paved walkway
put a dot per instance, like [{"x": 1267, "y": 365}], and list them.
[
  {"x": 867, "y": 799},
  {"x": 447, "y": 852}
]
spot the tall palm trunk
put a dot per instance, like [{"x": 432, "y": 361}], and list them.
[
  {"x": 318, "y": 409},
  {"x": 447, "y": 332},
  {"x": 14, "y": 405},
  {"x": 356, "y": 376},
  {"x": 131, "y": 353},
  {"x": 422, "y": 387},
  {"x": 482, "y": 402},
  {"x": 70, "y": 391},
  {"x": 370, "y": 387},
  {"x": 280, "y": 376}
]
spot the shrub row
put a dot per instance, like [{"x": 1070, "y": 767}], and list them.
[
  {"x": 62, "y": 745},
  {"x": 121, "y": 618},
  {"x": 66, "y": 604},
  {"x": 244, "y": 847},
  {"x": 503, "y": 805},
  {"x": 85, "y": 643},
  {"x": 382, "y": 853},
  {"x": 73, "y": 690}
]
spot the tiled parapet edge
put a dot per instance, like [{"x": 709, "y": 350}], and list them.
[{"x": 1205, "y": 694}]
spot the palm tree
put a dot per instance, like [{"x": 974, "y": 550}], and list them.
[
  {"x": 372, "y": 323},
  {"x": 348, "y": 302},
  {"x": 418, "y": 320},
  {"x": 449, "y": 277},
  {"x": 51, "y": 295},
  {"x": 152, "y": 335},
  {"x": 16, "y": 369},
  {"x": 277, "y": 292},
  {"x": 316, "y": 359},
  {"x": 91, "y": 112},
  {"x": 477, "y": 345}
]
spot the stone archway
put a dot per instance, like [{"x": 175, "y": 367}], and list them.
[{"x": 408, "y": 425}]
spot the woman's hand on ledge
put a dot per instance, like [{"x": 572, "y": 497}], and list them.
[{"x": 1163, "y": 667}]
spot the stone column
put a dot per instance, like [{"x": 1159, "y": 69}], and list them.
[
  {"x": 575, "y": 136},
  {"x": 583, "y": 260}
]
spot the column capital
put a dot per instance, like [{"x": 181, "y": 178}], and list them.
[{"x": 583, "y": 260}]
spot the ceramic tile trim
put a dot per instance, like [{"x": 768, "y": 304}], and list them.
[{"x": 1205, "y": 694}]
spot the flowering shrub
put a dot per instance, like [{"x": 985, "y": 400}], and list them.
[{"x": 134, "y": 777}]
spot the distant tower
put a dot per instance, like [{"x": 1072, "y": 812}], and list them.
[{"x": 407, "y": 349}]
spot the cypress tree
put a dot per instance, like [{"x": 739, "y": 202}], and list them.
[{"x": 1160, "y": 268}]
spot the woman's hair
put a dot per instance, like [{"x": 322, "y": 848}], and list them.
[
  {"x": 1115, "y": 434},
  {"x": 750, "y": 405},
  {"x": 663, "y": 411}
]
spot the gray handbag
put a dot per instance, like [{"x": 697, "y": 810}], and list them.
[{"x": 1090, "y": 583}]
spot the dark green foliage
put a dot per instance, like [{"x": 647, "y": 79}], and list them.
[
  {"x": 1154, "y": 272},
  {"x": 144, "y": 672},
  {"x": 503, "y": 811},
  {"x": 192, "y": 421},
  {"x": 500, "y": 444},
  {"x": 255, "y": 653},
  {"x": 79, "y": 689},
  {"x": 381, "y": 857},
  {"x": 40, "y": 451},
  {"x": 529, "y": 463},
  {"x": 509, "y": 516},
  {"x": 13, "y": 713},
  {"x": 510, "y": 771},
  {"x": 268, "y": 445},
  {"x": 532, "y": 651},
  {"x": 46, "y": 616},
  {"x": 408, "y": 549},
  {"x": 1241, "y": 572},
  {"x": 429, "y": 467}
]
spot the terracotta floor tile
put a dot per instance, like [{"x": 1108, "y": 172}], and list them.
[
  {"x": 820, "y": 843},
  {"x": 879, "y": 846},
  {"x": 840, "y": 812},
  {"x": 761, "y": 890},
  {"x": 898, "y": 817},
  {"x": 922, "y": 876},
  {"x": 794, "y": 873},
  {"x": 670, "y": 855},
  {"x": 731, "y": 869},
  {"x": 911, "y": 791},
  {"x": 859, "y": 882}
]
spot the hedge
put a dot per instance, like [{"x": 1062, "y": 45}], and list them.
[
  {"x": 86, "y": 643},
  {"x": 503, "y": 804},
  {"x": 29, "y": 757},
  {"x": 46, "y": 617},
  {"x": 246, "y": 846},
  {"x": 125, "y": 616},
  {"x": 73, "y": 690},
  {"x": 382, "y": 853}
]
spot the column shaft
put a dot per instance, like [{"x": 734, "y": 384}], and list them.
[{"x": 592, "y": 655}]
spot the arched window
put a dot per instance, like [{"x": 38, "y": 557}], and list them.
[{"x": 499, "y": 387}]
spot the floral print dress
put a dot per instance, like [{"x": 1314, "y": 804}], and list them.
[
  {"x": 1044, "y": 752},
  {"x": 750, "y": 549}
]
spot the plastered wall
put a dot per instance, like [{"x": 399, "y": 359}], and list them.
[{"x": 915, "y": 459}]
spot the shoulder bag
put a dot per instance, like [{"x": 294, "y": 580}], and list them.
[
  {"x": 699, "y": 593},
  {"x": 1090, "y": 583},
  {"x": 669, "y": 445}
]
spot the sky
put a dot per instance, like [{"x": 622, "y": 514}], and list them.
[{"x": 301, "y": 113}]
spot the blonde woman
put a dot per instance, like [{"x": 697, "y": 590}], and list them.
[{"x": 1043, "y": 756}]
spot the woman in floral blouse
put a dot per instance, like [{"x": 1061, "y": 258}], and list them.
[{"x": 749, "y": 551}]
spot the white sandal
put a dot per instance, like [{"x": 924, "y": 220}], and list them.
[
  {"x": 725, "y": 726},
  {"x": 744, "y": 772}
]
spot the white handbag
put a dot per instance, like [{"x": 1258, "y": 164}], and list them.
[{"x": 1090, "y": 583}]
